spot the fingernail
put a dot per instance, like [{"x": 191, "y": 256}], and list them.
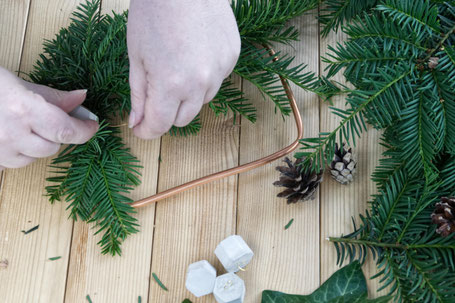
[
  {"x": 132, "y": 120},
  {"x": 82, "y": 91}
]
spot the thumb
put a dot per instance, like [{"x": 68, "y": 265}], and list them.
[{"x": 66, "y": 100}]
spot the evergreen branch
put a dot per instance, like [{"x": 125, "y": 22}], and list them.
[
  {"x": 262, "y": 21},
  {"x": 229, "y": 98},
  {"x": 192, "y": 128},
  {"x": 353, "y": 118},
  {"x": 337, "y": 12},
  {"x": 426, "y": 280},
  {"x": 383, "y": 32},
  {"x": 380, "y": 244},
  {"x": 418, "y": 14}
]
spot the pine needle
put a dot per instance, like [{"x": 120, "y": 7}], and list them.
[
  {"x": 55, "y": 258},
  {"x": 289, "y": 224},
  {"x": 30, "y": 230},
  {"x": 88, "y": 299},
  {"x": 157, "y": 280}
]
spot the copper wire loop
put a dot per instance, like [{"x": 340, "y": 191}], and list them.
[{"x": 239, "y": 169}]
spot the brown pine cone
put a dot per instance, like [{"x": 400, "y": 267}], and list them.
[
  {"x": 300, "y": 185},
  {"x": 443, "y": 216}
]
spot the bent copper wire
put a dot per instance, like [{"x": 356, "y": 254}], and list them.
[{"x": 239, "y": 169}]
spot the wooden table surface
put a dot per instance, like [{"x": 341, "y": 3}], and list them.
[{"x": 186, "y": 228}]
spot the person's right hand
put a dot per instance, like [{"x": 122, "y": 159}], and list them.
[{"x": 34, "y": 121}]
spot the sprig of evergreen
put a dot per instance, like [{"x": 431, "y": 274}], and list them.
[
  {"x": 399, "y": 59},
  {"x": 95, "y": 178}
]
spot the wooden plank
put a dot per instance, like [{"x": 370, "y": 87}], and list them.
[
  {"x": 190, "y": 225},
  {"x": 285, "y": 260},
  {"x": 339, "y": 203},
  {"x": 117, "y": 279},
  {"x": 31, "y": 277},
  {"x": 13, "y": 16}
]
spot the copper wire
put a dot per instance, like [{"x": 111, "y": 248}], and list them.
[{"x": 239, "y": 169}]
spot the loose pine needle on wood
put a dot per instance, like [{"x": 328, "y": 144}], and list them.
[
  {"x": 289, "y": 224},
  {"x": 159, "y": 282},
  {"x": 30, "y": 230},
  {"x": 89, "y": 299},
  {"x": 55, "y": 258}
]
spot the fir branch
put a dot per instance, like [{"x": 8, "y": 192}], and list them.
[
  {"x": 420, "y": 15},
  {"x": 412, "y": 40},
  {"x": 262, "y": 21},
  {"x": 230, "y": 98},
  {"x": 192, "y": 128},
  {"x": 336, "y": 12},
  {"x": 352, "y": 122},
  {"x": 95, "y": 176}
]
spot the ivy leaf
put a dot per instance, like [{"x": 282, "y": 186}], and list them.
[{"x": 348, "y": 284}]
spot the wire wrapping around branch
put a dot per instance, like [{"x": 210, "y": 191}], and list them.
[{"x": 238, "y": 169}]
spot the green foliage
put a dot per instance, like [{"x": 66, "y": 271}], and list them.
[
  {"x": 264, "y": 21},
  {"x": 348, "y": 284},
  {"x": 336, "y": 12},
  {"x": 399, "y": 58},
  {"x": 95, "y": 178}
]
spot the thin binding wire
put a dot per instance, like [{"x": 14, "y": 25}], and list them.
[{"x": 238, "y": 169}]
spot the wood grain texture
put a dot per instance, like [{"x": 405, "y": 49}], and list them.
[
  {"x": 30, "y": 276},
  {"x": 13, "y": 20},
  {"x": 285, "y": 260},
  {"x": 341, "y": 203},
  {"x": 190, "y": 225},
  {"x": 117, "y": 279}
]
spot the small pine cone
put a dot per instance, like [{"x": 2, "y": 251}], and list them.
[
  {"x": 444, "y": 216},
  {"x": 343, "y": 165},
  {"x": 300, "y": 184}
]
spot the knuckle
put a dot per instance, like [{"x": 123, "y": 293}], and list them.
[
  {"x": 176, "y": 81},
  {"x": 65, "y": 134},
  {"x": 17, "y": 110},
  {"x": 203, "y": 76}
]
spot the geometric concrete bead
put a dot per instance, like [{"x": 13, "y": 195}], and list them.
[
  {"x": 200, "y": 278},
  {"x": 229, "y": 288},
  {"x": 233, "y": 253}
]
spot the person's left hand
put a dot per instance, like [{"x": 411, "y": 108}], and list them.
[{"x": 180, "y": 52}]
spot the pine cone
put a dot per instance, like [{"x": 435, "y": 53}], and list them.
[
  {"x": 343, "y": 165},
  {"x": 301, "y": 185},
  {"x": 444, "y": 216}
]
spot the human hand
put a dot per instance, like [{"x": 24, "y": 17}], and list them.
[
  {"x": 34, "y": 121},
  {"x": 180, "y": 52}
]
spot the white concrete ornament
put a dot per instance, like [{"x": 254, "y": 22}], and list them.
[
  {"x": 200, "y": 278},
  {"x": 229, "y": 288},
  {"x": 234, "y": 253}
]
